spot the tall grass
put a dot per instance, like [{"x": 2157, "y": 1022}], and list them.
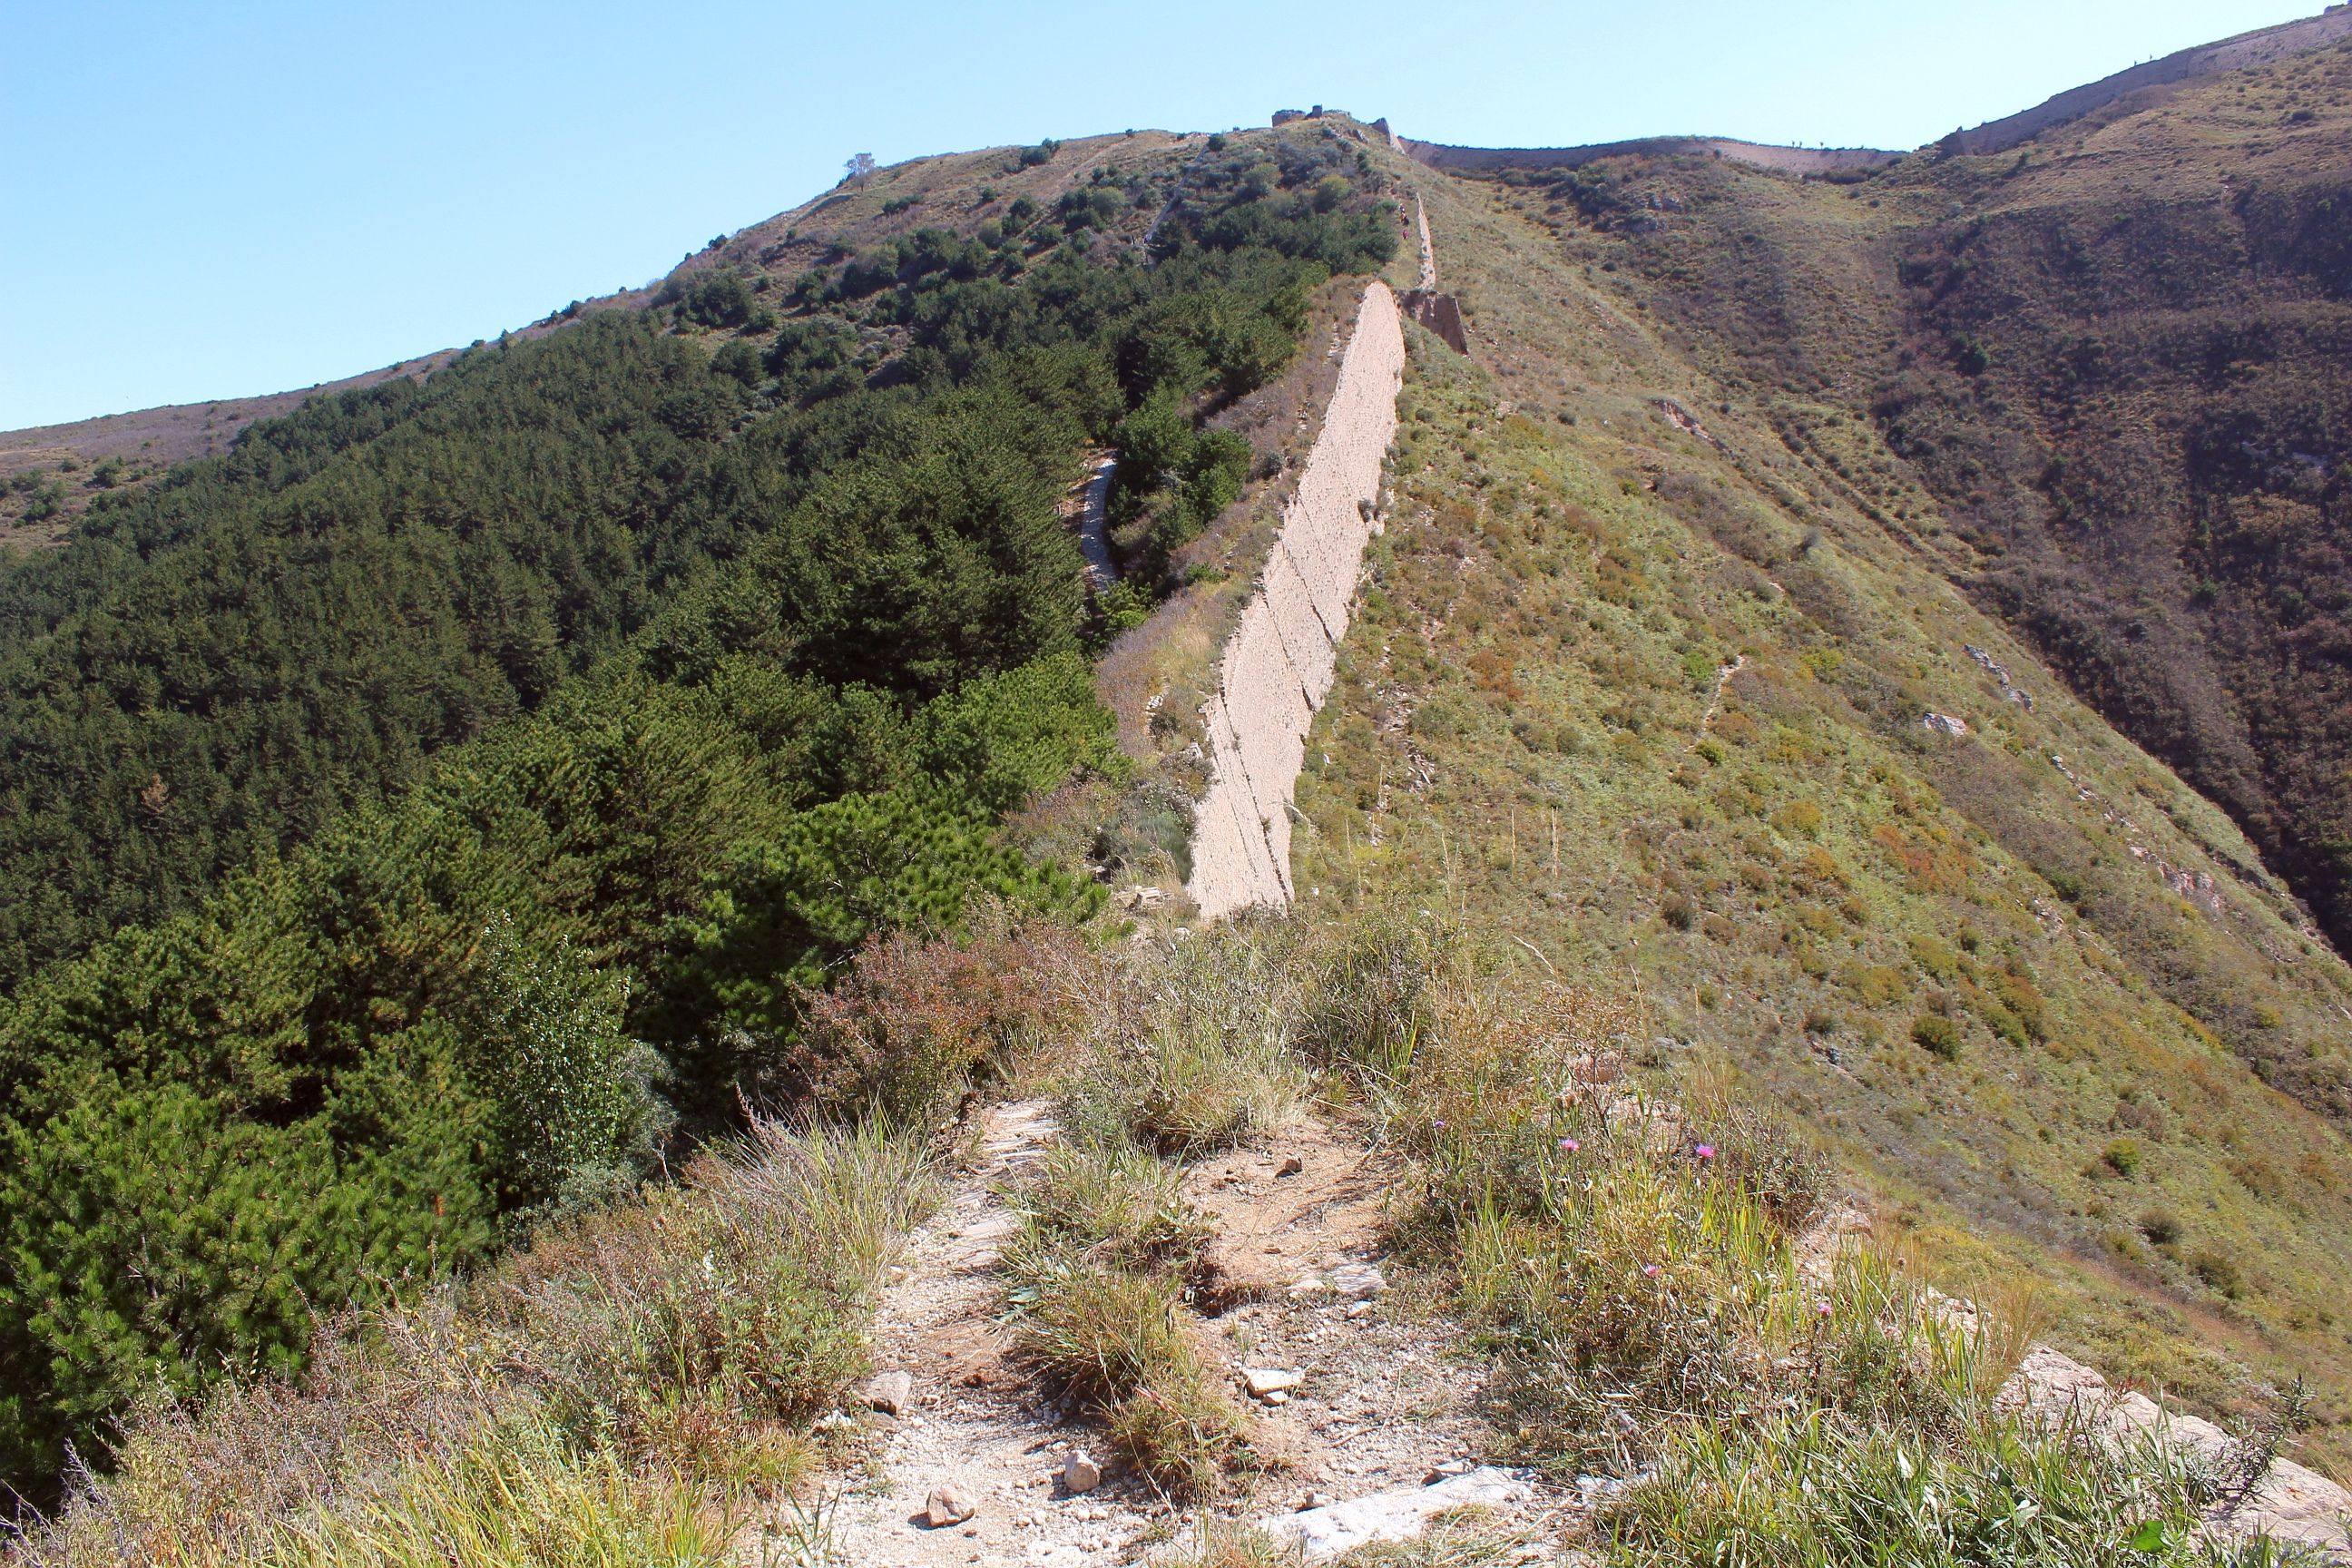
[
  {"x": 703, "y": 1328},
  {"x": 603, "y": 1397},
  {"x": 1095, "y": 1282},
  {"x": 518, "y": 1496},
  {"x": 1812, "y": 1488},
  {"x": 1198, "y": 1055}
]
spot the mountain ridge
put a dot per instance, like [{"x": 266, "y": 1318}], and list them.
[{"x": 1723, "y": 924}]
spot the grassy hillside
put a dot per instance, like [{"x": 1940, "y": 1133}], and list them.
[
  {"x": 1646, "y": 691},
  {"x": 2103, "y": 374}
]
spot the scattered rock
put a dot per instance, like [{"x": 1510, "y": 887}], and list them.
[
  {"x": 1358, "y": 1281},
  {"x": 1262, "y": 1381},
  {"x": 1399, "y": 1515},
  {"x": 1291, "y": 1166},
  {"x": 891, "y": 1392},
  {"x": 1080, "y": 1472},
  {"x": 1945, "y": 724},
  {"x": 948, "y": 1505},
  {"x": 2289, "y": 1503},
  {"x": 1446, "y": 1471}
]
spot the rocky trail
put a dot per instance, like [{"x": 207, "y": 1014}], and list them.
[
  {"x": 952, "y": 1428},
  {"x": 1366, "y": 1424}
]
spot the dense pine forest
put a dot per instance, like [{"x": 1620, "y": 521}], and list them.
[{"x": 420, "y": 816}]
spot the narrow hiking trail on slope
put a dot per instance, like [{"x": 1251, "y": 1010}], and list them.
[
  {"x": 1282, "y": 658},
  {"x": 962, "y": 1422},
  {"x": 1375, "y": 1429}
]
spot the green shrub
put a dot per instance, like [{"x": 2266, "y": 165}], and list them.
[
  {"x": 2218, "y": 1272},
  {"x": 603, "y": 1397},
  {"x": 1809, "y": 1490},
  {"x": 1937, "y": 1035},
  {"x": 2123, "y": 1156},
  {"x": 779, "y": 915},
  {"x": 710, "y": 298}
]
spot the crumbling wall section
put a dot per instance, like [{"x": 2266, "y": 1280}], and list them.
[{"x": 1281, "y": 661}]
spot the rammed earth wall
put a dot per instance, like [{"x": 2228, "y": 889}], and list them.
[{"x": 1281, "y": 660}]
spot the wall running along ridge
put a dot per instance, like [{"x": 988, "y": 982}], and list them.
[{"x": 1283, "y": 655}]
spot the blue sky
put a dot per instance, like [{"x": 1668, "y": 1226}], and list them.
[{"x": 221, "y": 200}]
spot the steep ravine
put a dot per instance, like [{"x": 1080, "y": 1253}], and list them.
[{"x": 1279, "y": 663}]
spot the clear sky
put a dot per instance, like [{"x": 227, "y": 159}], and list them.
[{"x": 233, "y": 198}]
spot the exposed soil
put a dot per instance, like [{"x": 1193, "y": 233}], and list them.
[{"x": 1382, "y": 1400}]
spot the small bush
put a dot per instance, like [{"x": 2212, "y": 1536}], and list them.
[
  {"x": 698, "y": 1329},
  {"x": 1115, "y": 1204},
  {"x": 1937, "y": 1035},
  {"x": 2161, "y": 1226},
  {"x": 1207, "y": 1065},
  {"x": 918, "y": 1017},
  {"x": 1231, "y": 1544},
  {"x": 2218, "y": 1272},
  {"x": 1093, "y": 1331},
  {"x": 1111, "y": 1337},
  {"x": 1184, "y": 1431},
  {"x": 1799, "y": 819},
  {"x": 2123, "y": 1156},
  {"x": 1372, "y": 996}
]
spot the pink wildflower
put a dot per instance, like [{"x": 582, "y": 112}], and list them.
[
  {"x": 1649, "y": 1271},
  {"x": 1570, "y": 1145},
  {"x": 1705, "y": 1150},
  {"x": 1823, "y": 1308}
]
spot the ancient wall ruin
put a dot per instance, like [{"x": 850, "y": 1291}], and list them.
[{"x": 1281, "y": 660}]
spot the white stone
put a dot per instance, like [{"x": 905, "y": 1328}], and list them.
[
  {"x": 1399, "y": 1515},
  {"x": 948, "y": 1505},
  {"x": 1358, "y": 1281},
  {"x": 1262, "y": 1381},
  {"x": 1080, "y": 1472}
]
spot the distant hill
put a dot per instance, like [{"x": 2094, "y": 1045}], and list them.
[{"x": 2264, "y": 46}]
